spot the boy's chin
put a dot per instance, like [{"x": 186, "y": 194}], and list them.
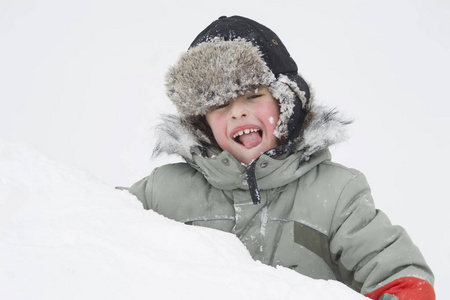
[{"x": 246, "y": 156}]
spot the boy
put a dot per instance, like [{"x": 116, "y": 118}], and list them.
[{"x": 258, "y": 165}]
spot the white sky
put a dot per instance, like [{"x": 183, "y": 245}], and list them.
[{"x": 82, "y": 81}]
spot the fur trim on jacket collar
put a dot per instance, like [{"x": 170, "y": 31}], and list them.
[{"x": 327, "y": 127}]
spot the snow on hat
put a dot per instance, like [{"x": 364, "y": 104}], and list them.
[{"x": 229, "y": 57}]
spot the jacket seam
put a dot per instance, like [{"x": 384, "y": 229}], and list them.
[
  {"x": 336, "y": 264},
  {"x": 206, "y": 219},
  {"x": 355, "y": 176}
]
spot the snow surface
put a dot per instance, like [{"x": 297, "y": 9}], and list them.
[{"x": 64, "y": 234}]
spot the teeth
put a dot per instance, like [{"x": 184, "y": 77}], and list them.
[{"x": 246, "y": 131}]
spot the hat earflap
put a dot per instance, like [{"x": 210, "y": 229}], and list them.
[{"x": 292, "y": 101}]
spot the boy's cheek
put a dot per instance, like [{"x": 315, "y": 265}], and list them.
[{"x": 214, "y": 118}]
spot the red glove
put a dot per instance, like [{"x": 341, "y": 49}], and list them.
[{"x": 406, "y": 288}]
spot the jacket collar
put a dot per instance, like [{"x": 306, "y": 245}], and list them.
[{"x": 226, "y": 173}]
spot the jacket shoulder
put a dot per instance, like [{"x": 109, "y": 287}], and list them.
[
  {"x": 341, "y": 169},
  {"x": 176, "y": 170},
  {"x": 332, "y": 177},
  {"x": 170, "y": 187},
  {"x": 161, "y": 176}
]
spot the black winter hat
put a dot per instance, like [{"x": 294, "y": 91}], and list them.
[
  {"x": 273, "y": 51},
  {"x": 229, "y": 57}
]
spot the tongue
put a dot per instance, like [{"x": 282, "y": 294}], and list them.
[{"x": 250, "y": 140}]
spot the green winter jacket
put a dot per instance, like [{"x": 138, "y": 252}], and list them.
[{"x": 315, "y": 216}]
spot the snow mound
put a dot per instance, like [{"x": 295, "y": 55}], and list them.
[{"x": 64, "y": 234}]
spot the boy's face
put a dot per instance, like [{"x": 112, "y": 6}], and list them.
[{"x": 245, "y": 126}]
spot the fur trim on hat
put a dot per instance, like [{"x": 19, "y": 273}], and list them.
[
  {"x": 285, "y": 90},
  {"x": 217, "y": 71},
  {"x": 212, "y": 73}
]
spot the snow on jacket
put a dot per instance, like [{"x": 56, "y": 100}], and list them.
[{"x": 315, "y": 216}]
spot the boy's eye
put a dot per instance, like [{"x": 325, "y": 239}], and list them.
[
  {"x": 222, "y": 106},
  {"x": 254, "y": 96}
]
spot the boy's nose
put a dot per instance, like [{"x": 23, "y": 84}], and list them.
[{"x": 238, "y": 109}]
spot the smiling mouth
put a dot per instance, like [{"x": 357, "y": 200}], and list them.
[
  {"x": 249, "y": 138},
  {"x": 246, "y": 131}
]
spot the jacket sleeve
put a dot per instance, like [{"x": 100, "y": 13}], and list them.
[
  {"x": 143, "y": 190},
  {"x": 403, "y": 289},
  {"x": 373, "y": 256}
]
